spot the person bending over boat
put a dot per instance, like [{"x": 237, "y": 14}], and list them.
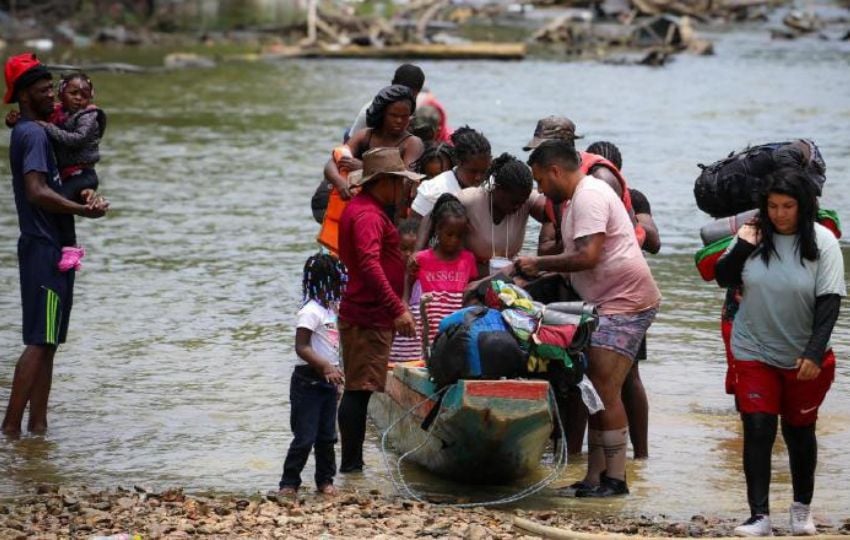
[
  {"x": 372, "y": 307},
  {"x": 561, "y": 128},
  {"x": 606, "y": 268},
  {"x": 792, "y": 274},
  {"x": 498, "y": 213},
  {"x": 634, "y": 393}
]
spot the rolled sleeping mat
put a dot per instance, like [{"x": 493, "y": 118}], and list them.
[
  {"x": 573, "y": 308},
  {"x": 723, "y": 227}
]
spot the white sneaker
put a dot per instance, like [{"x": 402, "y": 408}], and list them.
[
  {"x": 801, "y": 520},
  {"x": 758, "y": 525}
]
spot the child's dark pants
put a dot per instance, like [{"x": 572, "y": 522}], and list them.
[{"x": 313, "y": 422}]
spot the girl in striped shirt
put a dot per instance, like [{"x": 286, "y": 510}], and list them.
[{"x": 445, "y": 269}]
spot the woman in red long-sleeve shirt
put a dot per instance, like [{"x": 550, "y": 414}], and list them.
[{"x": 372, "y": 308}]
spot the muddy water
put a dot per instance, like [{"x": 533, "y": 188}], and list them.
[{"x": 176, "y": 370}]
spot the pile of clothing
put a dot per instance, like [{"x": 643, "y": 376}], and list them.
[{"x": 510, "y": 336}]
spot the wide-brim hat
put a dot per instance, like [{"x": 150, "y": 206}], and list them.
[
  {"x": 378, "y": 161},
  {"x": 21, "y": 71},
  {"x": 552, "y": 128}
]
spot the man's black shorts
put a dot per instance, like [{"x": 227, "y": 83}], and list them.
[{"x": 46, "y": 293}]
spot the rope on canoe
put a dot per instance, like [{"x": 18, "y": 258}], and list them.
[{"x": 403, "y": 487}]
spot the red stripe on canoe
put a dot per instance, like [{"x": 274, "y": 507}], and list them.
[
  {"x": 534, "y": 390},
  {"x": 407, "y": 397}
]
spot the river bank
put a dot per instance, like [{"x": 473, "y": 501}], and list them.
[
  {"x": 622, "y": 32},
  {"x": 51, "y": 512}
]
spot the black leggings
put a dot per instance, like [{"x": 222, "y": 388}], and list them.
[
  {"x": 352, "y": 428},
  {"x": 802, "y": 444}
]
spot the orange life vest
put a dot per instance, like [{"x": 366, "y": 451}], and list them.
[{"x": 329, "y": 233}]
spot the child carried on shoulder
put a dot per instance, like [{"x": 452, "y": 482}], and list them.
[{"x": 75, "y": 130}]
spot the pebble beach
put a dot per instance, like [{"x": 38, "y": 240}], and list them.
[{"x": 53, "y": 513}]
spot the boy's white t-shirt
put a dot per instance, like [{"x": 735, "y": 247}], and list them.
[{"x": 322, "y": 322}]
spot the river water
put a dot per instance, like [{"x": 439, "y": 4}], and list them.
[{"x": 177, "y": 365}]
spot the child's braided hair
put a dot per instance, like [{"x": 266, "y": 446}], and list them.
[{"x": 324, "y": 279}]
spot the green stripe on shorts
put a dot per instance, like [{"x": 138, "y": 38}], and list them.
[{"x": 52, "y": 317}]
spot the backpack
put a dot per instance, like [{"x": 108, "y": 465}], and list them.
[
  {"x": 732, "y": 185},
  {"x": 474, "y": 343}
]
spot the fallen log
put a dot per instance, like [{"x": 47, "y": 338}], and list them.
[
  {"x": 465, "y": 51},
  {"x": 112, "y": 67}
]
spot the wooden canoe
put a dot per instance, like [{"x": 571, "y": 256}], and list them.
[{"x": 487, "y": 432}]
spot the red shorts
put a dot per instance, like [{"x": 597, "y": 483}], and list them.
[
  {"x": 726, "y": 334},
  {"x": 760, "y": 388}
]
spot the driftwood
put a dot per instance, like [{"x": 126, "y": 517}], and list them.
[
  {"x": 802, "y": 21},
  {"x": 113, "y": 67},
  {"x": 312, "y": 21},
  {"x": 465, "y": 51},
  {"x": 430, "y": 13},
  {"x": 657, "y": 38}
]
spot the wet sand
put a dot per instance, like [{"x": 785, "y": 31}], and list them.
[{"x": 50, "y": 512}]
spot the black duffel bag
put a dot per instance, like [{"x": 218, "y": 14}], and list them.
[
  {"x": 319, "y": 201},
  {"x": 732, "y": 185},
  {"x": 475, "y": 343}
]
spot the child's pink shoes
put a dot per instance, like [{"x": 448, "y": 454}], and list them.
[{"x": 71, "y": 257}]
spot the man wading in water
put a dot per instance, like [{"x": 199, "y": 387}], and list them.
[
  {"x": 372, "y": 306},
  {"x": 606, "y": 268},
  {"x": 46, "y": 293}
]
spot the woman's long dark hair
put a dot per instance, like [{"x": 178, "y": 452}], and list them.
[{"x": 797, "y": 185}]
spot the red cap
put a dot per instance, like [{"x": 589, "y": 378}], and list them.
[{"x": 15, "y": 67}]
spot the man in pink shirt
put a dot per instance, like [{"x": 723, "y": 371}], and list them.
[
  {"x": 606, "y": 268},
  {"x": 371, "y": 309}
]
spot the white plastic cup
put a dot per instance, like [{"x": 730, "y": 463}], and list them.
[{"x": 499, "y": 263}]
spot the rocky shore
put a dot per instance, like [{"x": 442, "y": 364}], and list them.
[{"x": 51, "y": 512}]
